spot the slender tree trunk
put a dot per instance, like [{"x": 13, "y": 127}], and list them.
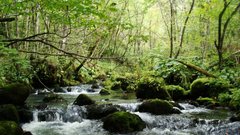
[
  {"x": 172, "y": 22},
  {"x": 222, "y": 31},
  {"x": 184, "y": 28}
]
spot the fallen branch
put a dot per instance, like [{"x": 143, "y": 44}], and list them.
[{"x": 197, "y": 69}]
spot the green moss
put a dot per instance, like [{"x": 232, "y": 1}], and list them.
[
  {"x": 151, "y": 88},
  {"x": 10, "y": 128},
  {"x": 208, "y": 87},
  {"x": 156, "y": 106},
  {"x": 83, "y": 99},
  {"x": 123, "y": 122},
  {"x": 9, "y": 112},
  {"x": 15, "y": 94},
  {"x": 206, "y": 101},
  {"x": 176, "y": 92}
]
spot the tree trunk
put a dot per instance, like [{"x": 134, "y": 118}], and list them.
[
  {"x": 184, "y": 28},
  {"x": 221, "y": 32}
]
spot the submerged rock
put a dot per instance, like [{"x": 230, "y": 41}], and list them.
[
  {"x": 83, "y": 99},
  {"x": 157, "y": 107},
  {"x": 100, "y": 111},
  {"x": 10, "y": 128},
  {"x": 15, "y": 94},
  {"x": 123, "y": 122}
]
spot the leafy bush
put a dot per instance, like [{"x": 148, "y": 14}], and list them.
[
  {"x": 175, "y": 73},
  {"x": 224, "y": 98},
  {"x": 235, "y": 99},
  {"x": 231, "y": 74},
  {"x": 13, "y": 67}
]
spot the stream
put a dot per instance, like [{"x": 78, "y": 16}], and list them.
[{"x": 67, "y": 119}]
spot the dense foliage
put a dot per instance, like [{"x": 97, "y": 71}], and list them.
[{"x": 129, "y": 45}]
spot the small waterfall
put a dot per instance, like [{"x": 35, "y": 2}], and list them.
[
  {"x": 188, "y": 108},
  {"x": 74, "y": 113},
  {"x": 171, "y": 122},
  {"x": 132, "y": 107},
  {"x": 47, "y": 115},
  {"x": 73, "y": 90}
]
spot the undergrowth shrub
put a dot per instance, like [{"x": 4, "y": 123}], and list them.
[
  {"x": 175, "y": 73},
  {"x": 13, "y": 66}
]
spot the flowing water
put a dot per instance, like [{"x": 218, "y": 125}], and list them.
[{"x": 71, "y": 120}]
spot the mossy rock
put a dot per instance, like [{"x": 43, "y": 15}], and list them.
[
  {"x": 123, "y": 123},
  {"x": 151, "y": 88},
  {"x": 176, "y": 92},
  {"x": 157, "y": 107},
  {"x": 102, "y": 110},
  {"x": 8, "y": 112},
  {"x": 206, "y": 101},
  {"x": 104, "y": 92},
  {"x": 10, "y": 128},
  {"x": 208, "y": 87},
  {"x": 83, "y": 99},
  {"x": 15, "y": 94}
]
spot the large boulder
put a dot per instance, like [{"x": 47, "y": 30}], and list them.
[
  {"x": 157, "y": 107},
  {"x": 123, "y": 122},
  {"x": 208, "y": 87},
  {"x": 10, "y": 128},
  {"x": 9, "y": 112},
  {"x": 83, "y": 99},
  {"x": 151, "y": 88},
  {"x": 15, "y": 94},
  {"x": 25, "y": 115},
  {"x": 100, "y": 111},
  {"x": 176, "y": 92}
]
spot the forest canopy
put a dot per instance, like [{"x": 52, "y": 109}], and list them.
[{"x": 107, "y": 35}]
